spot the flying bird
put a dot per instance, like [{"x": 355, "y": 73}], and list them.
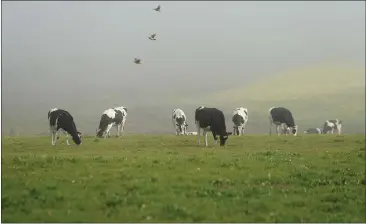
[
  {"x": 152, "y": 36},
  {"x": 157, "y": 8},
  {"x": 137, "y": 61}
]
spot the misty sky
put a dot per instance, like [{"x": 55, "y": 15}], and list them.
[{"x": 70, "y": 53}]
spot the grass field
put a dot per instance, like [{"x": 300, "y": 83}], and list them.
[{"x": 147, "y": 178}]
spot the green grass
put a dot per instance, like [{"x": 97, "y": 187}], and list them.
[{"x": 147, "y": 178}]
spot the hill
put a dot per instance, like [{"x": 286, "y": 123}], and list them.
[{"x": 313, "y": 94}]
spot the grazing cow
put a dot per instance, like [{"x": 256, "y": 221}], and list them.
[
  {"x": 192, "y": 133},
  {"x": 331, "y": 125},
  {"x": 179, "y": 120},
  {"x": 211, "y": 119},
  {"x": 281, "y": 116},
  {"x": 59, "y": 119},
  {"x": 240, "y": 119},
  {"x": 112, "y": 117},
  {"x": 313, "y": 131}
]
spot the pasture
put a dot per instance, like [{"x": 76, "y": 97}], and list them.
[{"x": 162, "y": 178}]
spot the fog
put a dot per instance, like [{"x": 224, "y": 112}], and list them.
[{"x": 79, "y": 55}]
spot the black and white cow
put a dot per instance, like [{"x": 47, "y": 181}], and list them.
[
  {"x": 211, "y": 119},
  {"x": 313, "y": 131},
  {"x": 331, "y": 125},
  {"x": 179, "y": 121},
  {"x": 240, "y": 119},
  {"x": 59, "y": 119},
  {"x": 112, "y": 117},
  {"x": 283, "y": 119},
  {"x": 191, "y": 133}
]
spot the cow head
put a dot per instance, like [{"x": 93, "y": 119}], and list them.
[
  {"x": 223, "y": 138},
  {"x": 181, "y": 127},
  {"x": 294, "y": 130},
  {"x": 99, "y": 132},
  {"x": 77, "y": 138}
]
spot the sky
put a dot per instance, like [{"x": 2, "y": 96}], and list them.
[{"x": 74, "y": 53}]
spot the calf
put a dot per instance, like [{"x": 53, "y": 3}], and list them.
[
  {"x": 211, "y": 119},
  {"x": 331, "y": 125},
  {"x": 112, "y": 117},
  {"x": 179, "y": 121},
  {"x": 59, "y": 119},
  {"x": 313, "y": 131},
  {"x": 282, "y": 117},
  {"x": 240, "y": 119}
]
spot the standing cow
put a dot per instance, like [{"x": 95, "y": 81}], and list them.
[
  {"x": 179, "y": 121},
  {"x": 211, "y": 119},
  {"x": 313, "y": 131},
  {"x": 60, "y": 119},
  {"x": 240, "y": 119},
  {"x": 331, "y": 125},
  {"x": 112, "y": 117},
  {"x": 282, "y": 118}
]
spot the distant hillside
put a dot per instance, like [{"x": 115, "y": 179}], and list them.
[{"x": 313, "y": 94}]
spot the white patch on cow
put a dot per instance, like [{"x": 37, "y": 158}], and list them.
[
  {"x": 110, "y": 113},
  {"x": 54, "y": 109}
]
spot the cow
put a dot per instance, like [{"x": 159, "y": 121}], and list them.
[
  {"x": 59, "y": 119},
  {"x": 179, "y": 121},
  {"x": 313, "y": 131},
  {"x": 112, "y": 117},
  {"x": 282, "y": 117},
  {"x": 191, "y": 133},
  {"x": 211, "y": 119},
  {"x": 240, "y": 119},
  {"x": 331, "y": 125}
]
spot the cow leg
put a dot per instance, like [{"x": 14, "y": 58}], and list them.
[
  {"x": 175, "y": 126},
  {"x": 67, "y": 137},
  {"x": 278, "y": 130},
  {"x": 118, "y": 126},
  {"x": 215, "y": 137},
  {"x": 108, "y": 130},
  {"x": 122, "y": 126},
  {"x": 56, "y": 137},
  {"x": 198, "y": 132},
  {"x": 205, "y": 134},
  {"x": 53, "y": 137},
  {"x": 339, "y": 127}
]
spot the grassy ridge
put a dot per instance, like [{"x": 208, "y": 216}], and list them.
[
  {"x": 147, "y": 178},
  {"x": 299, "y": 83},
  {"x": 313, "y": 94}
]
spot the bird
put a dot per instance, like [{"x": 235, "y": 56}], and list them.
[
  {"x": 152, "y": 36},
  {"x": 137, "y": 61},
  {"x": 157, "y": 8}
]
